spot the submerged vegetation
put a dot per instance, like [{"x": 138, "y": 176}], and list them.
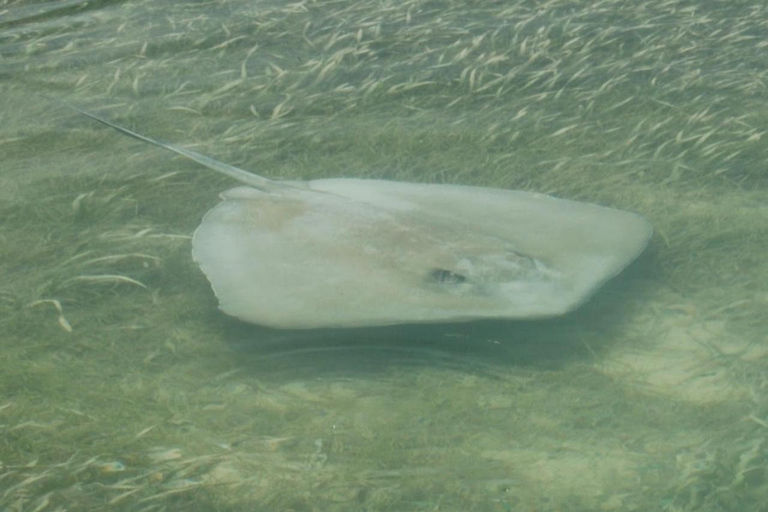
[{"x": 121, "y": 386}]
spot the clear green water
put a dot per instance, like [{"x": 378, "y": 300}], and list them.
[{"x": 139, "y": 395}]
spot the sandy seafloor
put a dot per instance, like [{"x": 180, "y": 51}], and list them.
[{"x": 122, "y": 387}]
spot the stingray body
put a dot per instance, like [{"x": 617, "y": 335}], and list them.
[{"x": 355, "y": 252}]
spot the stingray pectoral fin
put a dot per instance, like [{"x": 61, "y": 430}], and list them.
[
  {"x": 320, "y": 258},
  {"x": 583, "y": 244}
]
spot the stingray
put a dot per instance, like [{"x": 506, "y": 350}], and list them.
[{"x": 345, "y": 252}]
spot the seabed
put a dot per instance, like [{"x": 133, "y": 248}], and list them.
[{"x": 122, "y": 387}]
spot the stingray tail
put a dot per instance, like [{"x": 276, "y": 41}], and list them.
[{"x": 245, "y": 177}]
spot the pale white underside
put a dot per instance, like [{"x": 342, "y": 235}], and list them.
[{"x": 352, "y": 253}]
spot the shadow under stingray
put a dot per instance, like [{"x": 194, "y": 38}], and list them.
[
  {"x": 472, "y": 348},
  {"x": 487, "y": 348}
]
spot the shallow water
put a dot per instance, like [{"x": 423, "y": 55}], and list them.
[{"x": 121, "y": 383}]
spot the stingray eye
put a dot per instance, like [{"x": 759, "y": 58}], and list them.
[{"x": 446, "y": 276}]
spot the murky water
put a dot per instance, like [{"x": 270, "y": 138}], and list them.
[{"x": 121, "y": 383}]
